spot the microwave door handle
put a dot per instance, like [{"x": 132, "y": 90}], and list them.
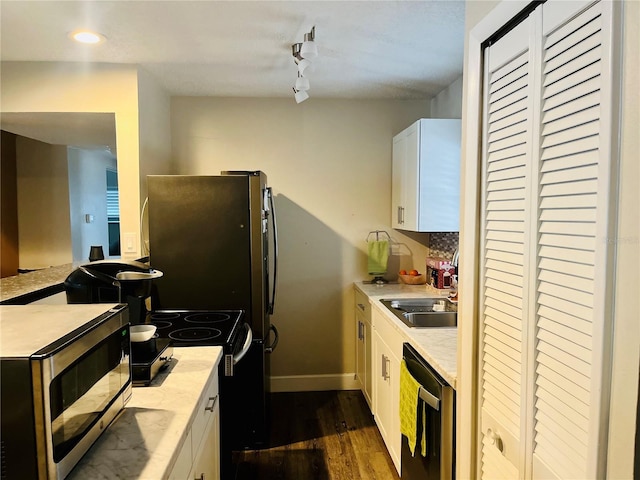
[
  {"x": 275, "y": 250},
  {"x": 247, "y": 344}
]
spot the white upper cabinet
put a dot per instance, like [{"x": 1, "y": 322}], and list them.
[{"x": 425, "y": 191}]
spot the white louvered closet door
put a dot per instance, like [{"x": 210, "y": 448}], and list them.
[{"x": 546, "y": 181}]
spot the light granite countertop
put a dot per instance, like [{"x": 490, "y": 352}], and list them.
[
  {"x": 438, "y": 346},
  {"x": 25, "y": 283},
  {"x": 145, "y": 439}
]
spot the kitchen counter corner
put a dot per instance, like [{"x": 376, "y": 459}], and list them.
[
  {"x": 144, "y": 440},
  {"x": 438, "y": 346}
]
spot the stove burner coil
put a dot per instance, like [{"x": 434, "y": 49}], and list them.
[
  {"x": 164, "y": 316},
  {"x": 207, "y": 317},
  {"x": 195, "y": 334},
  {"x": 161, "y": 324}
]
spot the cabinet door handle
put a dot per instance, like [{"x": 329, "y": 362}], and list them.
[
  {"x": 361, "y": 306},
  {"x": 402, "y": 215},
  {"x": 398, "y": 214},
  {"x": 201, "y": 477},
  {"x": 385, "y": 374},
  {"x": 213, "y": 401}
]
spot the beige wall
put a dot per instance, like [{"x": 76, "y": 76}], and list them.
[
  {"x": 44, "y": 227},
  {"x": 329, "y": 163}
]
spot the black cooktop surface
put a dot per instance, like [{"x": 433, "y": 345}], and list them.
[{"x": 196, "y": 327}]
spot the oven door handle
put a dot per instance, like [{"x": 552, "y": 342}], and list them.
[{"x": 247, "y": 344}]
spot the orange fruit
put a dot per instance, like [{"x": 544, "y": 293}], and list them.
[
  {"x": 402, "y": 272},
  {"x": 414, "y": 273}
]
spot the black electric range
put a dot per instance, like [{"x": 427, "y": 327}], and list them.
[
  {"x": 187, "y": 328},
  {"x": 192, "y": 328}
]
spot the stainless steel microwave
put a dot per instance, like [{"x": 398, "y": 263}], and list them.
[{"x": 65, "y": 374}]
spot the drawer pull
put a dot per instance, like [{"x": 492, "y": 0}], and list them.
[
  {"x": 213, "y": 401},
  {"x": 361, "y": 306}
]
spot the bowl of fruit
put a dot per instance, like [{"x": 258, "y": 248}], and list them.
[{"x": 412, "y": 277}]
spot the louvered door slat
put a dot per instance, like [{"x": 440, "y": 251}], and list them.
[
  {"x": 573, "y": 298},
  {"x": 574, "y": 270},
  {"x": 546, "y": 365},
  {"x": 568, "y": 215},
  {"x": 573, "y": 417},
  {"x": 573, "y": 322},
  {"x": 512, "y": 113},
  {"x": 562, "y": 279},
  {"x": 571, "y": 161},
  {"x": 515, "y": 290},
  {"x": 515, "y": 175},
  {"x": 497, "y": 356},
  {"x": 562, "y": 401},
  {"x": 563, "y": 123},
  {"x": 563, "y": 94},
  {"x": 563, "y": 305},
  {"x": 581, "y": 257},
  {"x": 578, "y": 145},
  {"x": 555, "y": 112},
  {"x": 583, "y": 130},
  {"x": 576, "y": 242},
  {"x": 572, "y": 447},
  {"x": 507, "y": 132},
  {"x": 560, "y": 381},
  {"x": 573, "y": 68},
  {"x": 561, "y": 449},
  {"x": 562, "y": 42},
  {"x": 506, "y": 164},
  {"x": 568, "y": 229},
  {"x": 573, "y": 201}
]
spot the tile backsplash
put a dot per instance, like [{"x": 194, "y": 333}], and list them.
[{"x": 443, "y": 244}]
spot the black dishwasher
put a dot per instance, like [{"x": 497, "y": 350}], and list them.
[{"x": 436, "y": 411}]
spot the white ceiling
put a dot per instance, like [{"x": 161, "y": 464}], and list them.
[{"x": 368, "y": 49}]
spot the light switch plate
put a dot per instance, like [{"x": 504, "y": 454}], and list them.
[{"x": 130, "y": 242}]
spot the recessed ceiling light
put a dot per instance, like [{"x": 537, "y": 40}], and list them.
[{"x": 86, "y": 36}]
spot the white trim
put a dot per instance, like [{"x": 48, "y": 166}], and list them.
[{"x": 312, "y": 383}]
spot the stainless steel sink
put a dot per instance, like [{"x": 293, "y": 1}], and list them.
[{"x": 424, "y": 312}]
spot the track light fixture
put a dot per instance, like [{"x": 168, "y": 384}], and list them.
[
  {"x": 300, "y": 95},
  {"x": 309, "y": 48},
  {"x": 302, "y": 53}
]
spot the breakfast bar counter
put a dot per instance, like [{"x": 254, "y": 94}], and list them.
[{"x": 27, "y": 287}]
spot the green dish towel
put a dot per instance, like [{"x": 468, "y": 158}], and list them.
[{"x": 378, "y": 256}]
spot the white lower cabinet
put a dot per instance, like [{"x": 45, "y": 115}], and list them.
[
  {"x": 199, "y": 457},
  {"x": 363, "y": 345},
  {"x": 207, "y": 457},
  {"x": 387, "y": 353}
]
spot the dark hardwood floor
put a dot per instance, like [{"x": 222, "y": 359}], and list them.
[{"x": 319, "y": 436}]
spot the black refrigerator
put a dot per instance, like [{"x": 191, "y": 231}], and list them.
[{"x": 215, "y": 239}]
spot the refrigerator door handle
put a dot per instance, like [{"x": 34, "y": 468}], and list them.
[
  {"x": 273, "y": 346},
  {"x": 275, "y": 250}
]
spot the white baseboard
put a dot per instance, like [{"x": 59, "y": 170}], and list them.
[{"x": 310, "y": 383}]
